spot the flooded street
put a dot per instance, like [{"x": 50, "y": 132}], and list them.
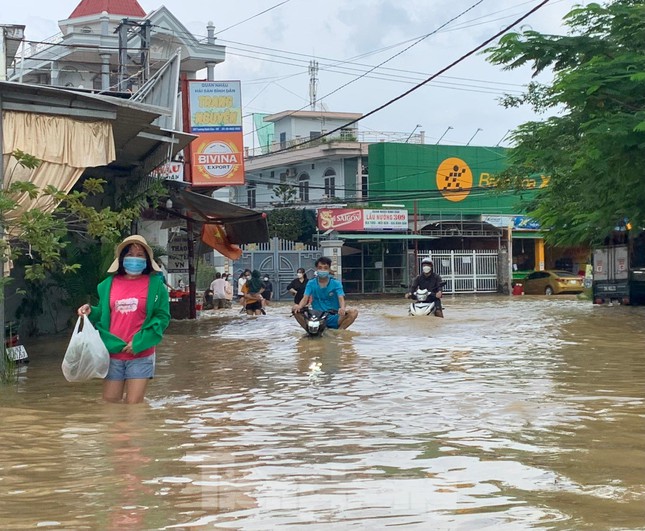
[{"x": 509, "y": 414}]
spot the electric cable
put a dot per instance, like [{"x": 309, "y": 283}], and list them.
[
  {"x": 423, "y": 83},
  {"x": 419, "y": 40},
  {"x": 254, "y": 16}
]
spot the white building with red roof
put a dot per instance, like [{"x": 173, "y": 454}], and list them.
[{"x": 86, "y": 54}]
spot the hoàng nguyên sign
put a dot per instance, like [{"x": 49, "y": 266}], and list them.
[{"x": 215, "y": 109}]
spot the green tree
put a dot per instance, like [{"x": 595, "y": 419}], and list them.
[
  {"x": 593, "y": 146},
  {"x": 40, "y": 236},
  {"x": 286, "y": 193},
  {"x": 292, "y": 224},
  {"x": 204, "y": 274}
]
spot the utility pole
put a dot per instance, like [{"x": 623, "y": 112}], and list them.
[
  {"x": 123, "y": 54},
  {"x": 3, "y": 55},
  {"x": 3, "y": 360},
  {"x": 188, "y": 176},
  {"x": 144, "y": 32},
  {"x": 313, "y": 84}
]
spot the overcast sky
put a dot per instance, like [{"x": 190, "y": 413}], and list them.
[{"x": 367, "y": 32}]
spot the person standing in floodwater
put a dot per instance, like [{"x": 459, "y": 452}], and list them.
[
  {"x": 244, "y": 277},
  {"x": 228, "y": 291},
  {"x": 268, "y": 289},
  {"x": 218, "y": 286},
  {"x": 297, "y": 285},
  {"x": 132, "y": 314},
  {"x": 253, "y": 289}
]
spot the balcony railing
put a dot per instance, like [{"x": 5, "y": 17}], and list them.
[
  {"x": 36, "y": 48},
  {"x": 363, "y": 137}
]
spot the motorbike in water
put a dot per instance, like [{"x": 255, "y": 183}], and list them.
[
  {"x": 422, "y": 303},
  {"x": 315, "y": 320}
]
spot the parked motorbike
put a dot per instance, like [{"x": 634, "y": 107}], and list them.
[
  {"x": 315, "y": 320},
  {"x": 421, "y": 305},
  {"x": 14, "y": 349}
]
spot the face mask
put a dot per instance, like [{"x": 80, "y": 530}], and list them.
[
  {"x": 427, "y": 269},
  {"x": 134, "y": 265},
  {"x": 248, "y": 277},
  {"x": 300, "y": 275},
  {"x": 266, "y": 279},
  {"x": 323, "y": 274}
]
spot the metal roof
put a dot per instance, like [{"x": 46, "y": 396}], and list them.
[
  {"x": 365, "y": 236},
  {"x": 328, "y": 115},
  {"x": 141, "y": 146},
  {"x": 242, "y": 225}
]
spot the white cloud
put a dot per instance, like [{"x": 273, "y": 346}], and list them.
[{"x": 336, "y": 29}]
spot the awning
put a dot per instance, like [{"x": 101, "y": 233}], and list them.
[
  {"x": 526, "y": 235},
  {"x": 242, "y": 225},
  {"x": 140, "y": 144},
  {"x": 461, "y": 229},
  {"x": 384, "y": 236}
]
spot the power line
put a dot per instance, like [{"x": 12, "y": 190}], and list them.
[
  {"x": 251, "y": 18},
  {"x": 364, "y": 73},
  {"x": 423, "y": 83},
  {"x": 420, "y": 39}
]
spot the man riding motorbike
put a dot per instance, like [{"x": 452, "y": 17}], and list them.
[
  {"x": 432, "y": 282},
  {"x": 325, "y": 293}
]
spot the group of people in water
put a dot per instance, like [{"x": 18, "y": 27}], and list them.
[
  {"x": 254, "y": 293},
  {"x": 132, "y": 310},
  {"x": 323, "y": 292}
]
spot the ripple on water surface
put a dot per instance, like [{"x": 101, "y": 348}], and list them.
[{"x": 510, "y": 413}]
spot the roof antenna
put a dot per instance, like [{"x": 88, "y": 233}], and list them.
[{"x": 313, "y": 83}]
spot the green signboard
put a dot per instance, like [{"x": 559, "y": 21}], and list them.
[{"x": 442, "y": 179}]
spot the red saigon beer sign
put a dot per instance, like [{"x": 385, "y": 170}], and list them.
[{"x": 357, "y": 219}]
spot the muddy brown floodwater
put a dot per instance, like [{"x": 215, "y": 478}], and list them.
[{"x": 509, "y": 414}]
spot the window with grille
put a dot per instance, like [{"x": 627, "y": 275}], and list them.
[
  {"x": 330, "y": 183},
  {"x": 250, "y": 196},
  {"x": 303, "y": 188}
]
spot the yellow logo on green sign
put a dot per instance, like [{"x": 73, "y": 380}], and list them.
[{"x": 454, "y": 179}]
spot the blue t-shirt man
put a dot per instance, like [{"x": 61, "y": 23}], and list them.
[
  {"x": 325, "y": 298},
  {"x": 325, "y": 293}
]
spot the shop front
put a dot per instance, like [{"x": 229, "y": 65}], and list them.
[
  {"x": 378, "y": 263},
  {"x": 375, "y": 251}
]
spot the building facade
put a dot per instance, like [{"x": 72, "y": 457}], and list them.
[
  {"x": 113, "y": 46},
  {"x": 448, "y": 192}
]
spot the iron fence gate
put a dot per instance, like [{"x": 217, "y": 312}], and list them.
[
  {"x": 465, "y": 271},
  {"x": 279, "y": 260}
]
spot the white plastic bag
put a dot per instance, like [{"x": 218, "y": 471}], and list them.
[{"x": 87, "y": 356}]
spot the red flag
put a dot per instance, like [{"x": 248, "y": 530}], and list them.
[{"x": 215, "y": 236}]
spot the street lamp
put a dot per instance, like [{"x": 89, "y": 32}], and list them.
[
  {"x": 413, "y": 130},
  {"x": 505, "y": 135},
  {"x": 474, "y": 135},
  {"x": 444, "y": 133}
]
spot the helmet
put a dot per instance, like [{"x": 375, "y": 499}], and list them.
[{"x": 426, "y": 261}]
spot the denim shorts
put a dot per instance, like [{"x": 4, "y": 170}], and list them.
[
  {"x": 138, "y": 368},
  {"x": 332, "y": 321}
]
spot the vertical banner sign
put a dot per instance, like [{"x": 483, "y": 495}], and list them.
[
  {"x": 216, "y": 116},
  {"x": 178, "y": 253}
]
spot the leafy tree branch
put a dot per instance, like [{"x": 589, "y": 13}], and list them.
[{"x": 593, "y": 147}]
